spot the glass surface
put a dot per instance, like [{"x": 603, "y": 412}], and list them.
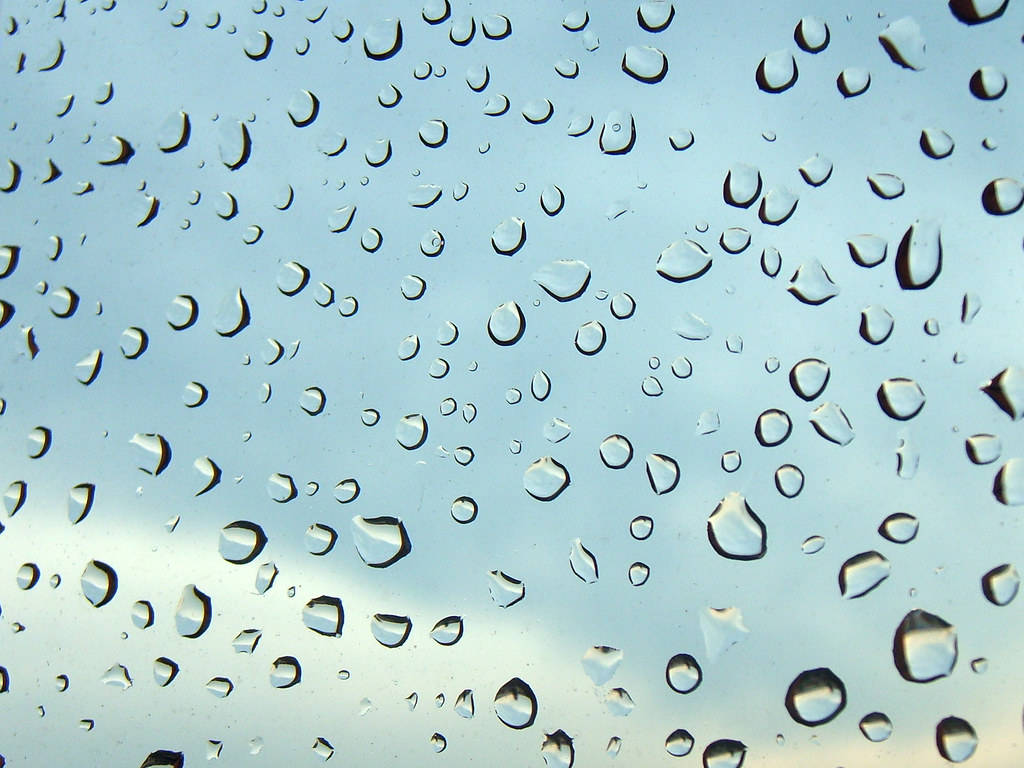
[{"x": 528, "y": 384}]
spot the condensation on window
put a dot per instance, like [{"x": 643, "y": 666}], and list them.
[{"x": 547, "y": 384}]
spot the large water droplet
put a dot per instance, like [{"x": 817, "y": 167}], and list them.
[
  {"x": 390, "y": 630},
  {"x": 1008, "y": 486},
  {"x": 830, "y": 422},
  {"x": 683, "y": 260},
  {"x": 564, "y": 279},
  {"x": 777, "y": 71},
  {"x": 724, "y": 753},
  {"x": 919, "y": 257},
  {"x": 903, "y": 41},
  {"x": 411, "y": 431},
  {"x": 924, "y": 647},
  {"x": 811, "y": 284},
  {"x": 1002, "y": 196},
  {"x": 380, "y": 541},
  {"x": 742, "y": 185},
  {"x": 876, "y": 726},
  {"x": 811, "y": 34},
  {"x": 506, "y": 324},
  {"x": 509, "y": 235},
  {"x": 815, "y": 697},
  {"x": 383, "y": 39},
  {"x": 645, "y": 63},
  {"x": 194, "y": 612},
  {"x": 679, "y": 743},
  {"x": 504, "y": 589},
  {"x": 1001, "y": 584},
  {"x": 601, "y": 662},
  {"x": 862, "y": 573},
  {"x": 899, "y": 528},
  {"x": 955, "y": 739},
  {"x": 99, "y": 583},
  {"x": 515, "y": 704},
  {"x": 545, "y": 479},
  {"x": 324, "y": 615},
  {"x": 241, "y": 542},
  {"x": 735, "y": 531},
  {"x": 683, "y": 674},
  {"x": 773, "y": 427},
  {"x": 557, "y": 750},
  {"x": 662, "y": 473}
]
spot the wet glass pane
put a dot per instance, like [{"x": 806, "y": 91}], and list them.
[{"x": 540, "y": 383}]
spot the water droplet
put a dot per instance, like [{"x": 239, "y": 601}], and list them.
[
  {"x": 412, "y": 287},
  {"x": 369, "y": 417},
  {"x": 724, "y": 753},
  {"x": 564, "y": 279},
  {"x": 320, "y": 539},
  {"x": 853, "y": 81},
  {"x": 545, "y": 479},
  {"x": 811, "y": 34},
  {"x": 773, "y": 427},
  {"x": 683, "y": 260},
  {"x": 862, "y": 573},
  {"x": 1009, "y": 483},
  {"x": 411, "y": 431},
  {"x": 221, "y": 687},
  {"x": 899, "y": 528},
  {"x": 812, "y": 545},
  {"x": 955, "y": 739},
  {"x": 683, "y": 674},
  {"x": 876, "y": 726},
  {"x": 281, "y": 488},
  {"x": 988, "y": 83},
  {"x": 194, "y": 612},
  {"x": 816, "y": 170},
  {"x": 515, "y": 704},
  {"x": 601, "y": 662},
  {"x": 117, "y": 677},
  {"x": 662, "y": 473},
  {"x": 619, "y": 702},
  {"x": 681, "y": 139},
  {"x": 731, "y": 461},
  {"x": 777, "y": 205},
  {"x": 682, "y": 368},
  {"x": 901, "y": 399},
  {"x": 324, "y": 615},
  {"x": 383, "y": 39},
  {"x": 903, "y": 41},
  {"x": 886, "y": 185},
  {"x": 99, "y": 583},
  {"x": 557, "y": 750},
  {"x": 28, "y": 576},
  {"x": 464, "y": 705},
  {"x": 506, "y": 324},
  {"x": 735, "y": 531},
  {"x": 742, "y": 185},
  {"x": 645, "y": 63},
  {"x": 651, "y": 386},
  {"x": 924, "y": 647},
  {"x": 390, "y": 630},
  {"x": 815, "y": 697},
  {"x": 583, "y": 562},
  {"x": 692, "y": 327},
  {"x": 614, "y": 746},
  {"x": 777, "y": 71},
  {"x": 380, "y": 541},
  {"x": 641, "y": 527},
  {"x": 1000, "y": 585},
  {"x": 811, "y": 284},
  {"x": 1002, "y": 196},
  {"x": 830, "y": 422},
  {"x": 590, "y": 337},
  {"x": 505, "y": 591},
  {"x": 618, "y": 133},
  {"x": 241, "y": 542}
]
